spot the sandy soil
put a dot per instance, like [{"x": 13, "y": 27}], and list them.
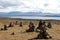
[{"x": 19, "y": 35}]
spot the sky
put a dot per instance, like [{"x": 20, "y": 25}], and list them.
[{"x": 45, "y": 6}]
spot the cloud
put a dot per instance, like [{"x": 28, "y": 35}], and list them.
[{"x": 47, "y": 6}]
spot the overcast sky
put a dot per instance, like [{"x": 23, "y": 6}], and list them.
[{"x": 51, "y": 6}]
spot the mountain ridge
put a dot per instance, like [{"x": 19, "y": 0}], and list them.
[{"x": 29, "y": 14}]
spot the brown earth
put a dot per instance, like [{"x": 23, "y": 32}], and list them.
[{"x": 19, "y": 35}]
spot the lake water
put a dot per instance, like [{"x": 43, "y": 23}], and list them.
[{"x": 35, "y": 17}]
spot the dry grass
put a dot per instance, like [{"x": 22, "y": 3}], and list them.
[{"x": 6, "y": 35}]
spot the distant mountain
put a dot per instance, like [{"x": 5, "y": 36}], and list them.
[
  {"x": 20, "y": 13},
  {"x": 29, "y": 14},
  {"x": 24, "y": 13}
]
